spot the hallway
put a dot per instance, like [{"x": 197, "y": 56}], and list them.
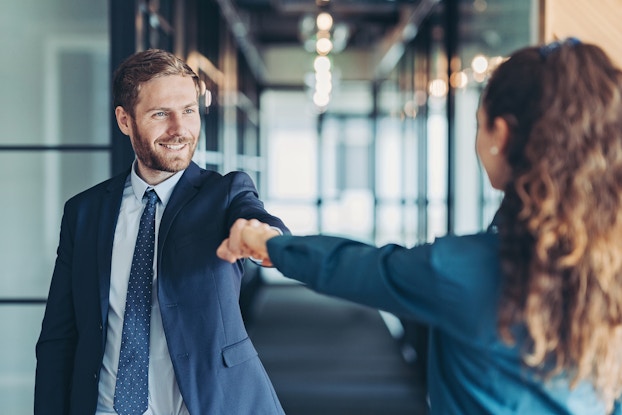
[{"x": 330, "y": 357}]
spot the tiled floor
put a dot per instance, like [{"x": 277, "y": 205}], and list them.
[
  {"x": 330, "y": 357},
  {"x": 324, "y": 356}
]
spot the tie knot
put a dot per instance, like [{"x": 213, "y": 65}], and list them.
[{"x": 151, "y": 196}]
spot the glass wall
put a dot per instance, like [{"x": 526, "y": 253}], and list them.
[
  {"x": 393, "y": 160},
  {"x": 54, "y": 112},
  {"x": 390, "y": 161},
  {"x": 485, "y": 39},
  {"x": 294, "y": 176}
]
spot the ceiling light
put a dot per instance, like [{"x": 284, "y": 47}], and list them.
[
  {"x": 438, "y": 88},
  {"x": 323, "y": 46},
  {"x": 479, "y": 64},
  {"x": 324, "y": 21},
  {"x": 321, "y": 64},
  {"x": 321, "y": 100},
  {"x": 458, "y": 79}
]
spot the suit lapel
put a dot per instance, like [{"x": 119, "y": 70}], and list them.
[{"x": 186, "y": 189}]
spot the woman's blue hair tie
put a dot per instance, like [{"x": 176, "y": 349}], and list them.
[{"x": 549, "y": 48}]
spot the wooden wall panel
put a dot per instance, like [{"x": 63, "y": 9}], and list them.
[{"x": 592, "y": 21}]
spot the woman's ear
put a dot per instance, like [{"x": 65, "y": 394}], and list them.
[{"x": 501, "y": 133}]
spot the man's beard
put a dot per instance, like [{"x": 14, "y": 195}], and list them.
[{"x": 156, "y": 161}]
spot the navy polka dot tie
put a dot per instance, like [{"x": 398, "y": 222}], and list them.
[{"x": 131, "y": 391}]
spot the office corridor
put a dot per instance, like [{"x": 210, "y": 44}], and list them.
[{"x": 330, "y": 357}]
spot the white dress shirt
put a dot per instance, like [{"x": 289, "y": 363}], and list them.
[{"x": 164, "y": 395}]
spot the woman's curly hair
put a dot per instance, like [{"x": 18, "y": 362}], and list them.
[{"x": 561, "y": 216}]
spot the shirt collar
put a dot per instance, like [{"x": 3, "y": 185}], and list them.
[
  {"x": 163, "y": 190},
  {"x": 496, "y": 221}
]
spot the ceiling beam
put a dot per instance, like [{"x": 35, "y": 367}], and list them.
[
  {"x": 241, "y": 33},
  {"x": 391, "y": 48}
]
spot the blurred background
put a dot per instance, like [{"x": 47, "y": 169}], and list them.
[{"x": 354, "y": 118}]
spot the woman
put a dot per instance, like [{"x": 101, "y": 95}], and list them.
[{"x": 527, "y": 317}]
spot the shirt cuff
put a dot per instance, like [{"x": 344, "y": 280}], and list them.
[{"x": 260, "y": 261}]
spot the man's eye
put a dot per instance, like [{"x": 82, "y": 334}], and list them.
[
  {"x": 189, "y": 110},
  {"x": 160, "y": 114}
]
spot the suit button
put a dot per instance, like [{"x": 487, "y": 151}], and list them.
[
  {"x": 95, "y": 375},
  {"x": 101, "y": 327}
]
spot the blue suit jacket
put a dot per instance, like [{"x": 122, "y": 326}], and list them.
[{"x": 216, "y": 365}]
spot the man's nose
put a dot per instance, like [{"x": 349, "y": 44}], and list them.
[{"x": 176, "y": 124}]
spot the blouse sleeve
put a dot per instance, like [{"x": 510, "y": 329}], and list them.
[{"x": 449, "y": 284}]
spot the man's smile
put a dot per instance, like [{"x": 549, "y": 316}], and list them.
[{"x": 174, "y": 147}]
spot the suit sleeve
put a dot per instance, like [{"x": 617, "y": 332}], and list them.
[
  {"x": 244, "y": 203},
  {"x": 57, "y": 341}
]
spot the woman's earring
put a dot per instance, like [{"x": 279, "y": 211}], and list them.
[{"x": 494, "y": 150}]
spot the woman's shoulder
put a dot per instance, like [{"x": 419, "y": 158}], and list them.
[
  {"x": 468, "y": 277},
  {"x": 461, "y": 253}
]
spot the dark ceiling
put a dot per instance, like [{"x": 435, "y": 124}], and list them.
[
  {"x": 278, "y": 22},
  {"x": 491, "y": 27},
  {"x": 487, "y": 23}
]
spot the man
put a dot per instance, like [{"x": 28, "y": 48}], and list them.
[{"x": 198, "y": 358}]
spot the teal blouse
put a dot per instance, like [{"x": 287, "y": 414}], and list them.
[{"x": 453, "y": 286}]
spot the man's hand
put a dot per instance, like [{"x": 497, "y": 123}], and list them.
[{"x": 247, "y": 238}]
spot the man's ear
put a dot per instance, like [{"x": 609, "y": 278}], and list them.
[
  {"x": 501, "y": 133},
  {"x": 123, "y": 120}
]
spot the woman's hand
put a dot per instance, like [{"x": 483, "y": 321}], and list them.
[{"x": 247, "y": 238}]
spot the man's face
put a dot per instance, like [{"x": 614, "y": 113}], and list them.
[{"x": 165, "y": 127}]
